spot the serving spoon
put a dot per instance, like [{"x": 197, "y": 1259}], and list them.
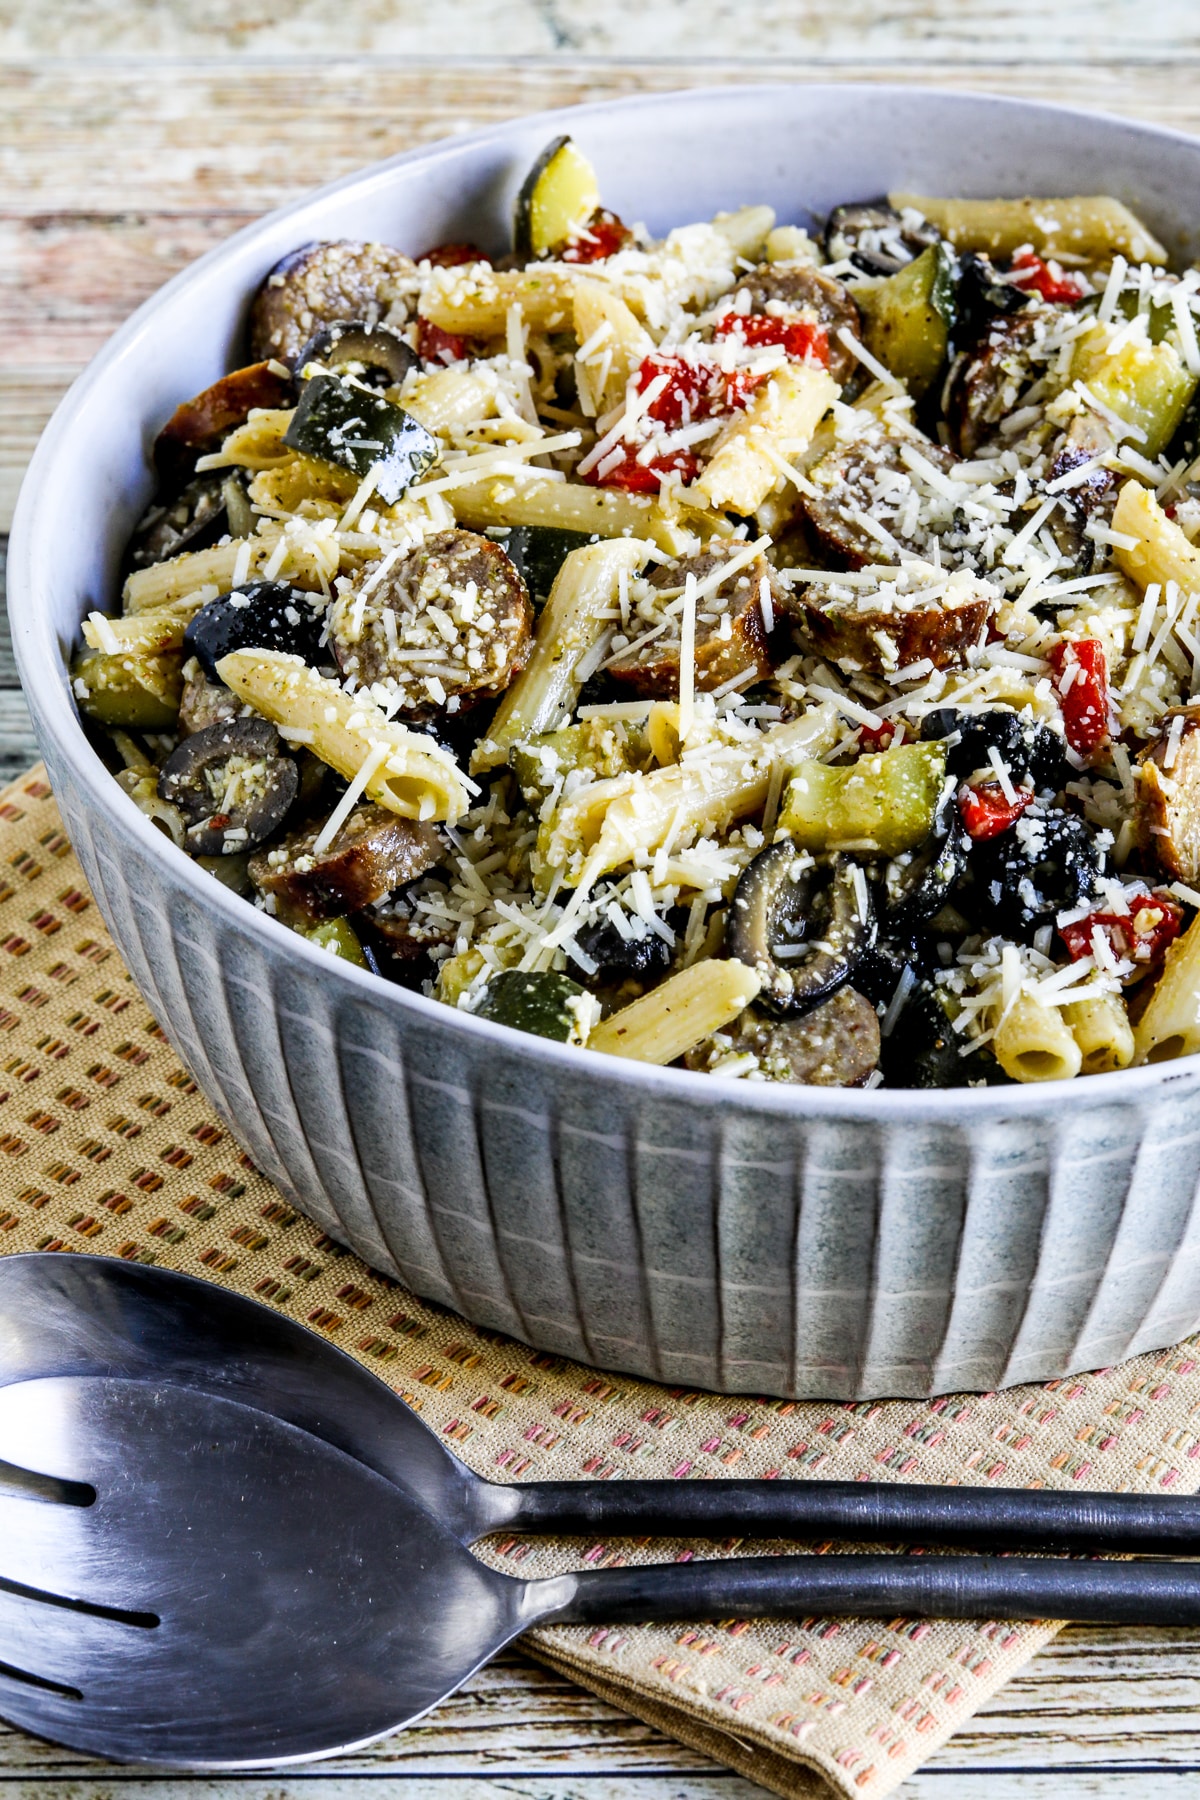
[
  {"x": 63, "y": 1314},
  {"x": 187, "y": 1580}
]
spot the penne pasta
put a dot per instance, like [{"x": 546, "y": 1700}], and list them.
[
  {"x": 408, "y": 773},
  {"x": 1100, "y": 1026},
  {"x": 306, "y": 554},
  {"x": 747, "y": 230},
  {"x": 568, "y": 506},
  {"x": 603, "y": 318},
  {"x": 1170, "y": 1025},
  {"x": 1034, "y": 1043},
  {"x": 779, "y": 422},
  {"x": 1088, "y": 225},
  {"x": 1162, "y": 552},
  {"x": 473, "y": 300},
  {"x": 443, "y": 398},
  {"x": 679, "y": 1014},
  {"x": 584, "y": 591}
]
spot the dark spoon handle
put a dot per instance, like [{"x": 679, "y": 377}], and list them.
[
  {"x": 864, "y": 1512},
  {"x": 875, "y": 1587}
]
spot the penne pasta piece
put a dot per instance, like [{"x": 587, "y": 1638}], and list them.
[
  {"x": 1034, "y": 1043},
  {"x": 406, "y": 771},
  {"x": 791, "y": 243},
  {"x": 606, "y": 824},
  {"x": 153, "y": 633},
  {"x": 782, "y": 416},
  {"x": 622, "y": 344},
  {"x": 304, "y": 552},
  {"x": 746, "y": 230},
  {"x": 1162, "y": 552},
  {"x": 1170, "y": 1025},
  {"x": 1090, "y": 225},
  {"x": 258, "y": 444},
  {"x": 570, "y": 506},
  {"x": 447, "y": 397},
  {"x": 473, "y": 299},
  {"x": 1101, "y": 1028},
  {"x": 678, "y": 1014},
  {"x": 584, "y": 590}
]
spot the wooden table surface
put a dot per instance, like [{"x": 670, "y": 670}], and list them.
[{"x": 133, "y": 136}]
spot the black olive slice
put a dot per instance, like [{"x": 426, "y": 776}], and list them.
[
  {"x": 233, "y": 784},
  {"x": 917, "y": 884},
  {"x": 982, "y": 296},
  {"x": 1024, "y": 747},
  {"x": 1046, "y": 864},
  {"x": 192, "y": 520},
  {"x": 802, "y": 926},
  {"x": 875, "y": 237},
  {"x": 923, "y": 1050},
  {"x": 367, "y": 350},
  {"x": 261, "y": 615},
  {"x": 642, "y": 956}
]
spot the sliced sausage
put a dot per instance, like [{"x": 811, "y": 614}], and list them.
[
  {"x": 1167, "y": 800},
  {"x": 731, "y": 634},
  {"x": 908, "y": 619},
  {"x": 401, "y": 930},
  {"x": 835, "y": 1045},
  {"x": 988, "y": 381},
  {"x": 796, "y": 289},
  {"x": 448, "y": 625},
  {"x": 374, "y": 852},
  {"x": 864, "y": 480},
  {"x": 321, "y": 283},
  {"x": 200, "y": 423},
  {"x": 204, "y": 703}
]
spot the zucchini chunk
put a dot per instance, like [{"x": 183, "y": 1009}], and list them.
[
  {"x": 128, "y": 691},
  {"x": 342, "y": 423},
  {"x": 885, "y": 802},
  {"x": 909, "y": 317},
  {"x": 339, "y": 937},
  {"x": 541, "y": 1001},
  {"x": 559, "y": 192},
  {"x": 538, "y": 552},
  {"x": 1149, "y": 386}
]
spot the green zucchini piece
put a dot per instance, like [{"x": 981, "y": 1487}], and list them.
[
  {"x": 884, "y": 802},
  {"x": 339, "y": 937},
  {"x": 606, "y": 746},
  {"x": 908, "y": 319},
  {"x": 339, "y": 422},
  {"x": 537, "y": 1000},
  {"x": 559, "y": 191},
  {"x": 539, "y": 551},
  {"x": 130, "y": 691},
  {"x": 1150, "y": 388}
]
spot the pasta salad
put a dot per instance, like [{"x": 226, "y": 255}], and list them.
[{"x": 772, "y": 649}]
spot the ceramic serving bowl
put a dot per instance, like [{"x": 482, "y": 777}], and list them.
[{"x": 789, "y": 1240}]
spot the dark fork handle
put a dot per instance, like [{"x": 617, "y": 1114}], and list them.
[
  {"x": 881, "y": 1587},
  {"x": 863, "y": 1512}
]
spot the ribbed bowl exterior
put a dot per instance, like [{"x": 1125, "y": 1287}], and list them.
[{"x": 746, "y": 1239}]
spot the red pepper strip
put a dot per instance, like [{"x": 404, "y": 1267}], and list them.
[
  {"x": 1083, "y": 695},
  {"x": 453, "y": 256},
  {"x": 1140, "y": 936},
  {"x": 881, "y": 737},
  {"x": 695, "y": 389},
  {"x": 438, "y": 346},
  {"x": 1030, "y": 272},
  {"x": 644, "y": 478},
  {"x": 802, "y": 339},
  {"x": 987, "y": 811},
  {"x": 606, "y": 234}
]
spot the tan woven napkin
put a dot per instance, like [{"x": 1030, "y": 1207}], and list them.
[{"x": 105, "y": 1144}]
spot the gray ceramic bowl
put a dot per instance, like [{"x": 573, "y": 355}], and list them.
[{"x": 794, "y": 1241}]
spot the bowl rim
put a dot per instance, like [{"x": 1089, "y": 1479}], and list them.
[{"x": 55, "y": 714}]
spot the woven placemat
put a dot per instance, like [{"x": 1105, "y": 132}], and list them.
[{"x": 107, "y": 1145}]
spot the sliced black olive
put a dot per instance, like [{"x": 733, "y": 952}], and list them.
[
  {"x": 642, "y": 956},
  {"x": 1046, "y": 864},
  {"x": 370, "y": 351},
  {"x": 982, "y": 295},
  {"x": 262, "y": 615},
  {"x": 192, "y": 520},
  {"x": 923, "y": 1050},
  {"x": 538, "y": 553},
  {"x": 1023, "y": 746},
  {"x": 233, "y": 784},
  {"x": 803, "y": 927},
  {"x": 875, "y": 237},
  {"x": 339, "y": 422},
  {"x": 881, "y": 968},
  {"x": 917, "y": 884}
]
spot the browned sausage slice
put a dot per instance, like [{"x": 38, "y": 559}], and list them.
[
  {"x": 797, "y": 290},
  {"x": 731, "y": 634},
  {"x": 321, "y": 283},
  {"x": 852, "y": 486},
  {"x": 374, "y": 852},
  {"x": 1167, "y": 799},
  {"x": 835, "y": 1045},
  {"x": 200, "y": 423},
  {"x": 204, "y": 703},
  {"x": 446, "y": 626},
  {"x": 988, "y": 381},
  {"x": 912, "y": 614}
]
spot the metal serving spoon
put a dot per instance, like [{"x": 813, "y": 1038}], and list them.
[
  {"x": 190, "y": 1581},
  {"x": 86, "y": 1315}
]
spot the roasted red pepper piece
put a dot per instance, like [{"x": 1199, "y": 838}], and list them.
[
  {"x": 986, "y": 809},
  {"x": 643, "y": 478},
  {"x": 803, "y": 339},
  {"x": 1031, "y": 272},
  {"x": 605, "y": 235},
  {"x": 438, "y": 346},
  {"x": 453, "y": 256},
  {"x": 696, "y": 389},
  {"x": 1081, "y": 677},
  {"x": 881, "y": 737},
  {"x": 1140, "y": 936}
]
